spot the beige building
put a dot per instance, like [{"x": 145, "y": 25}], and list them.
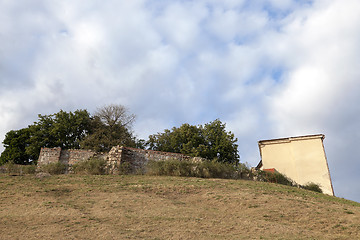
[{"x": 301, "y": 159}]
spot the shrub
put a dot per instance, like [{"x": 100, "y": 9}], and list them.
[
  {"x": 92, "y": 166},
  {"x": 28, "y": 169},
  {"x": 312, "y": 187},
  {"x": 16, "y": 169},
  {"x": 171, "y": 168},
  {"x": 125, "y": 168},
  {"x": 54, "y": 168},
  {"x": 160, "y": 168},
  {"x": 12, "y": 169},
  {"x": 275, "y": 177},
  {"x": 204, "y": 169}
]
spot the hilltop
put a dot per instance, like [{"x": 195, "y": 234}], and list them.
[{"x": 153, "y": 207}]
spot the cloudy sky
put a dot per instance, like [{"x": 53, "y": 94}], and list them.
[{"x": 267, "y": 68}]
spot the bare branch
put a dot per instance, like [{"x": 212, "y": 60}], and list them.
[{"x": 115, "y": 114}]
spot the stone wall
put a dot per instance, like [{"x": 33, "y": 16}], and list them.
[
  {"x": 72, "y": 156},
  {"x": 135, "y": 159},
  {"x": 66, "y": 156},
  {"x": 114, "y": 159},
  {"x": 49, "y": 155}
]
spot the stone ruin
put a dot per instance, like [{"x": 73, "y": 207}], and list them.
[{"x": 135, "y": 158}]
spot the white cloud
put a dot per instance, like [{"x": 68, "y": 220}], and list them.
[
  {"x": 267, "y": 68},
  {"x": 322, "y": 85},
  {"x": 179, "y": 24}
]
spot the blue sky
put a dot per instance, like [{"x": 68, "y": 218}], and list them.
[{"x": 268, "y": 69}]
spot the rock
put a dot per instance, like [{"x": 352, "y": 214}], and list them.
[{"x": 42, "y": 175}]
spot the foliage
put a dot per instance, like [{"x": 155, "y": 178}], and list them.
[
  {"x": 312, "y": 187},
  {"x": 103, "y": 137},
  {"x": 111, "y": 126},
  {"x": 15, "y": 144},
  {"x": 202, "y": 169},
  {"x": 274, "y": 177},
  {"x": 210, "y": 141},
  {"x": 92, "y": 166},
  {"x": 54, "y": 168},
  {"x": 62, "y": 129},
  {"x": 16, "y": 169},
  {"x": 125, "y": 168},
  {"x": 214, "y": 169}
]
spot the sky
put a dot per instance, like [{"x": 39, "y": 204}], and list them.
[{"x": 266, "y": 68}]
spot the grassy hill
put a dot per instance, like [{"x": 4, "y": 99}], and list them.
[{"x": 149, "y": 207}]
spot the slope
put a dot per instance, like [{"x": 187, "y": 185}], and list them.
[{"x": 150, "y": 207}]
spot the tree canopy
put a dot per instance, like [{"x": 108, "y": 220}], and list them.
[
  {"x": 210, "y": 141},
  {"x": 110, "y": 126},
  {"x": 70, "y": 130}
]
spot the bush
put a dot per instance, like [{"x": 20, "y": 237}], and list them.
[
  {"x": 275, "y": 177},
  {"x": 54, "y": 168},
  {"x": 312, "y": 187},
  {"x": 125, "y": 168},
  {"x": 160, "y": 168},
  {"x": 16, "y": 169},
  {"x": 28, "y": 169},
  {"x": 92, "y": 166},
  {"x": 204, "y": 169}
]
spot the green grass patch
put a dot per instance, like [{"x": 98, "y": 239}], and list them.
[
  {"x": 204, "y": 169},
  {"x": 312, "y": 187},
  {"x": 16, "y": 169},
  {"x": 54, "y": 168},
  {"x": 92, "y": 166}
]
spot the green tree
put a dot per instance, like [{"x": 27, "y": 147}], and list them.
[
  {"x": 62, "y": 129},
  {"x": 15, "y": 144},
  {"x": 110, "y": 126},
  {"x": 210, "y": 141},
  {"x": 219, "y": 143}
]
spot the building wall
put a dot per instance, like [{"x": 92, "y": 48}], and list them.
[{"x": 302, "y": 159}]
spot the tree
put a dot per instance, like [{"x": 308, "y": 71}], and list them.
[
  {"x": 15, "y": 144},
  {"x": 220, "y": 144},
  {"x": 62, "y": 129},
  {"x": 112, "y": 115},
  {"x": 103, "y": 137},
  {"x": 110, "y": 126},
  {"x": 210, "y": 141}
]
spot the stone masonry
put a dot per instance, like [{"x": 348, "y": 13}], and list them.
[
  {"x": 134, "y": 158},
  {"x": 49, "y": 155}
]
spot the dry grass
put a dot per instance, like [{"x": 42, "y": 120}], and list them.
[{"x": 148, "y": 207}]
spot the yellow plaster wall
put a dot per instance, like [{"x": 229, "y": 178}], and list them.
[{"x": 302, "y": 159}]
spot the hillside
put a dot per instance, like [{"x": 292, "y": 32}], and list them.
[{"x": 149, "y": 207}]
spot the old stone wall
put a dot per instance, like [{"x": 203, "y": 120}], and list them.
[
  {"x": 49, "y": 155},
  {"x": 66, "y": 156},
  {"x": 114, "y": 159},
  {"x": 72, "y": 156},
  {"x": 135, "y": 159}
]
